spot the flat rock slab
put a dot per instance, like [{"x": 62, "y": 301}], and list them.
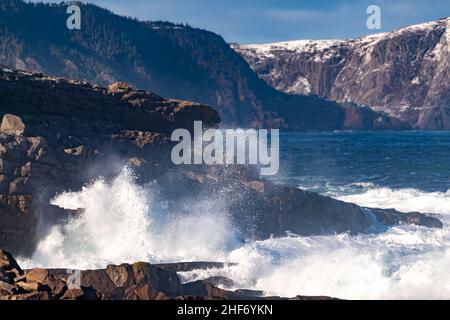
[{"x": 191, "y": 266}]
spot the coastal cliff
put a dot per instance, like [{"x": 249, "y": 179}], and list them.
[{"x": 402, "y": 73}]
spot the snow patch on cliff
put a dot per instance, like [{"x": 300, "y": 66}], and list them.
[{"x": 300, "y": 86}]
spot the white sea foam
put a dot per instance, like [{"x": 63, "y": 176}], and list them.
[
  {"x": 119, "y": 226},
  {"x": 402, "y": 199},
  {"x": 404, "y": 262}
]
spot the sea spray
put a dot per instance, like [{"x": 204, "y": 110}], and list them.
[
  {"x": 405, "y": 262},
  {"x": 118, "y": 225},
  {"x": 114, "y": 225},
  {"x": 407, "y": 200}
]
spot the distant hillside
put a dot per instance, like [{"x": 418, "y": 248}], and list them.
[
  {"x": 172, "y": 60},
  {"x": 404, "y": 73}
]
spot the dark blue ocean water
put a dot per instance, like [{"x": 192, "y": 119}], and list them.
[{"x": 329, "y": 161}]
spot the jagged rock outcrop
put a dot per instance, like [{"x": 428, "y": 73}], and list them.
[
  {"x": 403, "y": 73},
  {"x": 277, "y": 210},
  {"x": 138, "y": 281},
  {"x": 71, "y": 129},
  {"x": 76, "y": 132}
]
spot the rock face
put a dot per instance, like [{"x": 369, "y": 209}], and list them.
[
  {"x": 76, "y": 132},
  {"x": 403, "y": 73},
  {"x": 174, "y": 61},
  {"x": 70, "y": 126},
  {"x": 277, "y": 209},
  {"x": 138, "y": 281}
]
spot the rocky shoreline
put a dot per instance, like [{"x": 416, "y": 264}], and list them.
[{"x": 138, "y": 281}]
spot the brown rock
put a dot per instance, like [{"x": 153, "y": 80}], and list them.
[
  {"x": 100, "y": 280},
  {"x": 7, "y": 288},
  {"x": 143, "y": 273},
  {"x": 161, "y": 296},
  {"x": 139, "y": 293},
  {"x": 160, "y": 280},
  {"x": 43, "y": 295},
  {"x": 20, "y": 278},
  {"x": 38, "y": 275},
  {"x": 81, "y": 294},
  {"x": 31, "y": 286},
  {"x": 12, "y": 124},
  {"x": 121, "y": 275},
  {"x": 140, "y": 274},
  {"x": 44, "y": 277},
  {"x": 8, "y": 263}
]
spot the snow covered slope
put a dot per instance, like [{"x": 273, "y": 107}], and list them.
[{"x": 404, "y": 73}]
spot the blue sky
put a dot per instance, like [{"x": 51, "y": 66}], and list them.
[{"x": 259, "y": 21}]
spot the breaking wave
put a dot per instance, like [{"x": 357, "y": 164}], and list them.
[
  {"x": 409, "y": 200},
  {"x": 403, "y": 263},
  {"x": 120, "y": 224}
]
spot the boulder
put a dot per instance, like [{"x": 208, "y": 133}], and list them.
[
  {"x": 9, "y": 268},
  {"x": 13, "y": 125},
  {"x": 141, "y": 274},
  {"x": 6, "y": 288},
  {"x": 100, "y": 280},
  {"x": 44, "y": 278},
  {"x": 121, "y": 275},
  {"x": 31, "y": 286},
  {"x": 160, "y": 280}
]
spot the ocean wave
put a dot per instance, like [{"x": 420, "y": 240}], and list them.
[
  {"x": 405, "y": 262},
  {"x": 410, "y": 200},
  {"x": 119, "y": 225}
]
